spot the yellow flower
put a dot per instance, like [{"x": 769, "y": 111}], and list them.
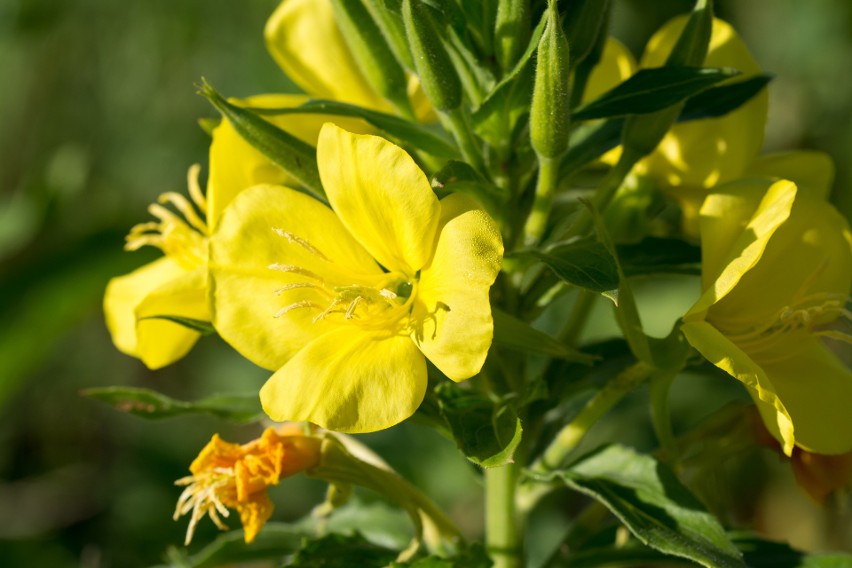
[
  {"x": 346, "y": 301},
  {"x": 776, "y": 275},
  {"x": 304, "y": 39},
  {"x": 230, "y": 476},
  {"x": 697, "y": 155},
  {"x": 174, "y": 285}
]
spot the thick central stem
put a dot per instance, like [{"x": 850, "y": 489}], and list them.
[{"x": 502, "y": 530}]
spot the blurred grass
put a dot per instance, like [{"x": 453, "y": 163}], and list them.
[{"x": 98, "y": 110}]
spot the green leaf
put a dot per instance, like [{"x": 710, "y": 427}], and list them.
[
  {"x": 760, "y": 553},
  {"x": 146, "y": 403},
  {"x": 585, "y": 263},
  {"x": 647, "y": 497},
  {"x": 275, "y": 541},
  {"x": 202, "y": 327},
  {"x": 294, "y": 156},
  {"x": 416, "y": 135},
  {"x": 655, "y": 255},
  {"x": 651, "y": 90},
  {"x": 496, "y": 116},
  {"x": 471, "y": 556},
  {"x": 512, "y": 333},
  {"x": 614, "y": 556},
  {"x": 338, "y": 551},
  {"x": 459, "y": 177},
  {"x": 719, "y": 101},
  {"x": 589, "y": 142},
  {"x": 486, "y": 433}
]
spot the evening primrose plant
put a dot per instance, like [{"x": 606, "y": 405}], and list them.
[{"x": 423, "y": 235}]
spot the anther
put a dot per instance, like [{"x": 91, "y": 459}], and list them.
[
  {"x": 294, "y": 306},
  {"x": 295, "y": 239},
  {"x": 292, "y": 269}
]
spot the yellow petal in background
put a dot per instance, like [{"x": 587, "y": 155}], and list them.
[
  {"x": 805, "y": 262},
  {"x": 246, "y": 291},
  {"x": 720, "y": 351},
  {"x": 303, "y": 38},
  {"x": 816, "y": 388},
  {"x": 617, "y": 64},
  {"x": 703, "y": 153},
  {"x": 349, "y": 380},
  {"x": 737, "y": 251},
  {"x": 812, "y": 171},
  {"x": 452, "y": 321},
  {"x": 381, "y": 196},
  {"x": 236, "y": 165},
  {"x": 162, "y": 287}
]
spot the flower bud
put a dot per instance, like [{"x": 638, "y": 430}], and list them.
[
  {"x": 549, "y": 112},
  {"x": 511, "y": 31},
  {"x": 437, "y": 74},
  {"x": 371, "y": 51}
]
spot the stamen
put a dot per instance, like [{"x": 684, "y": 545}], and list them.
[
  {"x": 294, "y": 306},
  {"x": 195, "y": 189},
  {"x": 298, "y": 285},
  {"x": 185, "y": 207},
  {"x": 351, "y": 310},
  {"x": 387, "y": 294},
  {"x": 292, "y": 269},
  {"x": 135, "y": 243},
  {"x": 301, "y": 242}
]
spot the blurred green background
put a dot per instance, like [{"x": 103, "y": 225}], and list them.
[{"x": 98, "y": 111}]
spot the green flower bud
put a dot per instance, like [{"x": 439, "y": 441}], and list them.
[
  {"x": 549, "y": 112},
  {"x": 375, "y": 58},
  {"x": 437, "y": 75},
  {"x": 511, "y": 32}
]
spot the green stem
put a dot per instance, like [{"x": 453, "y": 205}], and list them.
[
  {"x": 660, "y": 416},
  {"x": 502, "y": 530},
  {"x": 605, "y": 192},
  {"x": 548, "y": 178},
  {"x": 571, "y": 435},
  {"x": 456, "y": 122}
]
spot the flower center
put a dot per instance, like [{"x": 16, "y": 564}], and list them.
[
  {"x": 367, "y": 300},
  {"x": 811, "y": 314},
  {"x": 181, "y": 237}
]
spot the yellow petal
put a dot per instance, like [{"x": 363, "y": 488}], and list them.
[
  {"x": 452, "y": 316},
  {"x": 616, "y": 65},
  {"x": 816, "y": 388},
  {"x": 236, "y": 165},
  {"x": 303, "y": 38},
  {"x": 812, "y": 171},
  {"x": 720, "y": 351},
  {"x": 162, "y": 287},
  {"x": 244, "y": 286},
  {"x": 254, "y": 514},
  {"x": 703, "y": 153},
  {"x": 380, "y": 195},
  {"x": 744, "y": 252},
  {"x": 808, "y": 256},
  {"x": 349, "y": 380}
]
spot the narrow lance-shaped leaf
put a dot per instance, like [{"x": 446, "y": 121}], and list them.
[
  {"x": 406, "y": 131},
  {"x": 651, "y": 90},
  {"x": 512, "y": 31},
  {"x": 388, "y": 15},
  {"x": 296, "y": 157},
  {"x": 146, "y": 403},
  {"x": 719, "y": 101},
  {"x": 583, "y": 25},
  {"x": 202, "y": 327},
  {"x": 647, "y": 497}
]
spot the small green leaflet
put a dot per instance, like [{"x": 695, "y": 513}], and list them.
[
  {"x": 486, "y": 433},
  {"x": 585, "y": 263},
  {"x": 146, "y": 403},
  {"x": 719, "y": 101},
  {"x": 512, "y": 333},
  {"x": 201, "y": 326}
]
